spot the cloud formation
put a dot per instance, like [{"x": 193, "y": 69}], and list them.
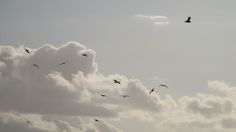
[
  {"x": 156, "y": 20},
  {"x": 67, "y": 98}
]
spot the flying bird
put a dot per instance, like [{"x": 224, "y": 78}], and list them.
[
  {"x": 35, "y": 65},
  {"x": 115, "y": 81},
  {"x": 28, "y": 122},
  {"x": 125, "y": 96},
  {"x": 152, "y": 90},
  {"x": 84, "y": 54},
  {"x": 103, "y": 95},
  {"x": 63, "y": 63},
  {"x": 163, "y": 85},
  {"x": 188, "y": 20},
  {"x": 96, "y": 120},
  {"x": 26, "y": 50}
]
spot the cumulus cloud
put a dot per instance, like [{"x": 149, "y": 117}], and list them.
[
  {"x": 157, "y": 20},
  {"x": 209, "y": 106},
  {"x": 67, "y": 98},
  {"x": 47, "y": 90},
  {"x": 72, "y": 89}
]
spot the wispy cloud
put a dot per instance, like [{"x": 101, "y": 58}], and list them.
[{"x": 155, "y": 19}]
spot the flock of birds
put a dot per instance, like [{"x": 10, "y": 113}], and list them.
[
  {"x": 114, "y": 80},
  {"x": 60, "y": 64},
  {"x": 63, "y": 63}
]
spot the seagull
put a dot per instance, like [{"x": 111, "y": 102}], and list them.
[
  {"x": 28, "y": 122},
  {"x": 35, "y": 65},
  {"x": 188, "y": 20},
  {"x": 96, "y": 120},
  {"x": 103, "y": 95},
  {"x": 115, "y": 81},
  {"x": 163, "y": 85},
  {"x": 84, "y": 54},
  {"x": 26, "y": 50},
  {"x": 152, "y": 90},
  {"x": 125, "y": 96},
  {"x": 63, "y": 63}
]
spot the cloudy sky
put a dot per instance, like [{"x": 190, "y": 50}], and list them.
[{"x": 140, "y": 43}]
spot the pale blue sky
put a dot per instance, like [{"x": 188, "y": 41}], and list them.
[{"x": 185, "y": 56}]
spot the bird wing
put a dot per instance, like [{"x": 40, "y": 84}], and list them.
[
  {"x": 27, "y": 50},
  {"x": 36, "y": 65},
  {"x": 151, "y": 91}
]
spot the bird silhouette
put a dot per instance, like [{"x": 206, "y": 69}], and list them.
[
  {"x": 96, "y": 120},
  {"x": 35, "y": 65},
  {"x": 26, "y": 50},
  {"x": 103, "y": 95},
  {"x": 63, "y": 63},
  {"x": 84, "y": 54},
  {"x": 163, "y": 85},
  {"x": 188, "y": 20},
  {"x": 152, "y": 90},
  {"x": 115, "y": 81},
  {"x": 29, "y": 123},
  {"x": 125, "y": 96}
]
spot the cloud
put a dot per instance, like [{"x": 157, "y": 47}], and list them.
[
  {"x": 67, "y": 98},
  {"x": 11, "y": 123},
  {"x": 47, "y": 90},
  {"x": 157, "y": 20},
  {"x": 209, "y": 106},
  {"x": 229, "y": 123},
  {"x": 72, "y": 89}
]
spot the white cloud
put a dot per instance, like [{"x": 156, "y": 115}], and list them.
[
  {"x": 67, "y": 98},
  {"x": 156, "y": 20}
]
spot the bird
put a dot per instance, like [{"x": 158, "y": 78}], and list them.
[
  {"x": 152, "y": 90},
  {"x": 125, "y": 96},
  {"x": 63, "y": 63},
  {"x": 35, "y": 65},
  {"x": 96, "y": 120},
  {"x": 28, "y": 122},
  {"x": 26, "y": 50},
  {"x": 188, "y": 20},
  {"x": 115, "y": 81},
  {"x": 103, "y": 95},
  {"x": 84, "y": 54},
  {"x": 163, "y": 85}
]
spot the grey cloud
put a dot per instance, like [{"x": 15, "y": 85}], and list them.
[
  {"x": 229, "y": 123},
  {"x": 25, "y": 89},
  {"x": 210, "y": 108},
  {"x": 68, "y": 97},
  {"x": 16, "y": 122},
  {"x": 11, "y": 124},
  {"x": 67, "y": 90},
  {"x": 105, "y": 127},
  {"x": 194, "y": 125}
]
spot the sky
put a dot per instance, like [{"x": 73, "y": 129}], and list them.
[{"x": 141, "y": 43}]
